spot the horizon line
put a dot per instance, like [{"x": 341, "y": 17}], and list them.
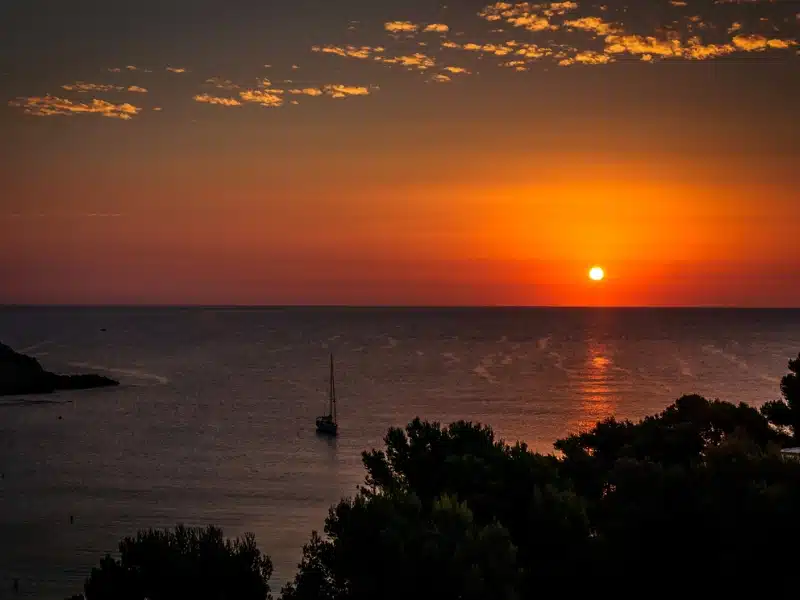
[{"x": 403, "y": 306}]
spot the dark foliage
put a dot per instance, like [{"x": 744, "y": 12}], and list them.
[
  {"x": 197, "y": 564},
  {"x": 786, "y": 413},
  {"x": 696, "y": 498}
]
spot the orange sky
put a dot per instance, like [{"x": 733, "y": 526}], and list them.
[{"x": 460, "y": 181}]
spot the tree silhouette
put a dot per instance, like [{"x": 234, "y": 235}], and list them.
[
  {"x": 182, "y": 563},
  {"x": 391, "y": 547},
  {"x": 786, "y": 413},
  {"x": 694, "y": 498}
]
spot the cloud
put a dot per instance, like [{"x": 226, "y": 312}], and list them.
[
  {"x": 336, "y": 90},
  {"x": 524, "y": 14},
  {"x": 400, "y": 26},
  {"x": 638, "y": 44},
  {"x": 219, "y": 101},
  {"x": 332, "y": 90},
  {"x": 457, "y": 70},
  {"x": 497, "y": 50},
  {"x": 517, "y": 65},
  {"x": 436, "y": 28},
  {"x": 441, "y": 78},
  {"x": 222, "y": 84},
  {"x": 48, "y": 105},
  {"x": 696, "y": 50},
  {"x": 587, "y": 57},
  {"x": 521, "y": 49},
  {"x": 594, "y": 24},
  {"x": 362, "y": 52},
  {"x": 268, "y": 98},
  {"x": 759, "y": 43},
  {"x": 418, "y": 60},
  {"x": 176, "y": 69},
  {"x": 678, "y": 3},
  {"x": 559, "y": 8},
  {"x": 81, "y": 86},
  {"x": 307, "y": 91}
]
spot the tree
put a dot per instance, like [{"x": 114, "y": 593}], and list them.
[
  {"x": 694, "y": 498},
  {"x": 510, "y": 485},
  {"x": 390, "y": 547},
  {"x": 786, "y": 413},
  {"x": 182, "y": 563}
]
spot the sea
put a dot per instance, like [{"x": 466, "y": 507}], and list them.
[{"x": 213, "y": 422}]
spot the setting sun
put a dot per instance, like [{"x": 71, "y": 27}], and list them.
[{"x": 596, "y": 274}]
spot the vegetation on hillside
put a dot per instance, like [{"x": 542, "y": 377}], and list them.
[{"x": 694, "y": 499}]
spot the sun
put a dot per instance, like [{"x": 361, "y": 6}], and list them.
[{"x": 597, "y": 274}]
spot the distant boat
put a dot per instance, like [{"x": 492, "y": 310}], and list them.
[{"x": 327, "y": 423}]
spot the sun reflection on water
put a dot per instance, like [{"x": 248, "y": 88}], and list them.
[{"x": 595, "y": 393}]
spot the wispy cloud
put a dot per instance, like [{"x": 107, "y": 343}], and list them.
[
  {"x": 507, "y": 35},
  {"x": 533, "y": 17},
  {"x": 45, "y": 106},
  {"x": 441, "y": 78},
  {"x": 396, "y": 27},
  {"x": 128, "y": 68},
  {"x": 586, "y": 57},
  {"x": 268, "y": 98},
  {"x": 362, "y": 52},
  {"x": 436, "y": 28},
  {"x": 268, "y": 95},
  {"x": 593, "y": 24},
  {"x": 310, "y": 91},
  {"x": 336, "y": 90},
  {"x": 80, "y": 86},
  {"x": 417, "y": 60},
  {"x": 759, "y": 43},
  {"x": 400, "y": 26},
  {"x": 222, "y": 84},
  {"x": 83, "y": 87},
  {"x": 209, "y": 99}
]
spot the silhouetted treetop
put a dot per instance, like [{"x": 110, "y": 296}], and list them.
[
  {"x": 182, "y": 563},
  {"x": 786, "y": 413}
]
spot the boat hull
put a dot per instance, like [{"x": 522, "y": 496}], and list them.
[{"x": 327, "y": 426}]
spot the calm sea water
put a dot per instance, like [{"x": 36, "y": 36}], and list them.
[{"x": 214, "y": 421}]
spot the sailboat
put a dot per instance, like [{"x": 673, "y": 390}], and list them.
[{"x": 327, "y": 423}]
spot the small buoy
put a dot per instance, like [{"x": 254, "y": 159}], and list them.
[
  {"x": 59, "y": 417},
  {"x": 71, "y": 519},
  {"x": 16, "y": 585}
]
